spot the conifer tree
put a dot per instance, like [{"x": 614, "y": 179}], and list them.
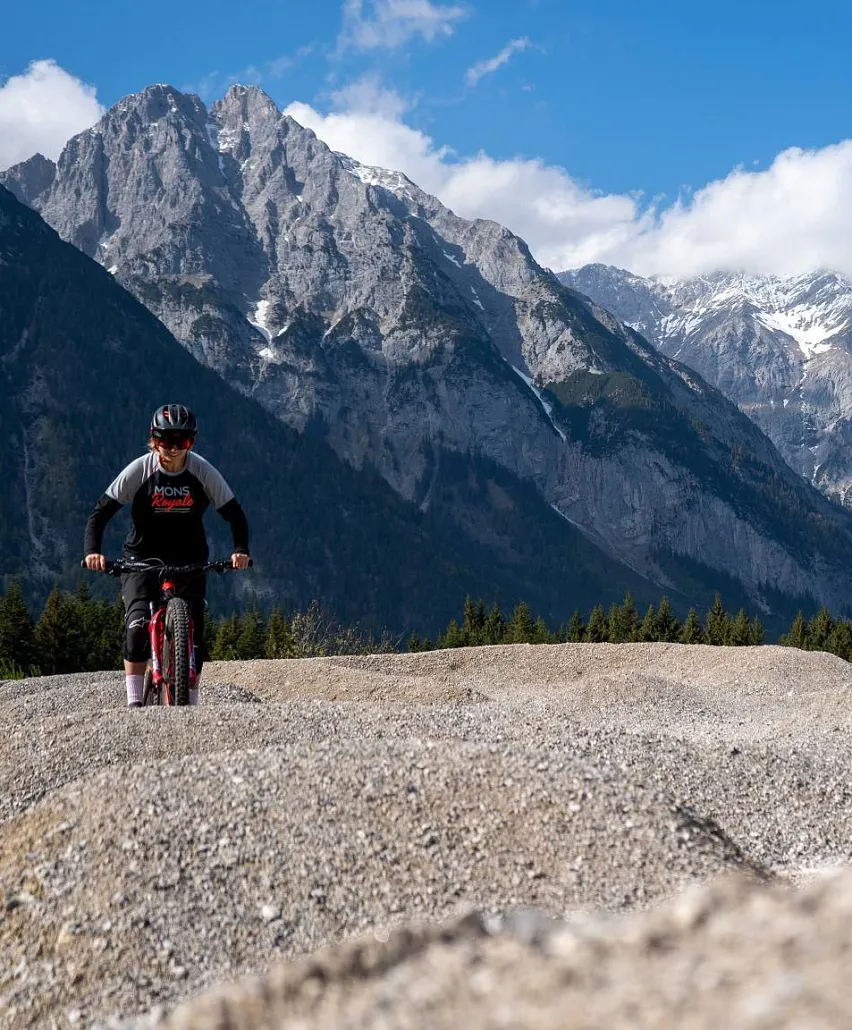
[
  {"x": 453, "y": 637},
  {"x": 692, "y": 632},
  {"x": 417, "y": 644},
  {"x": 251, "y": 642},
  {"x": 819, "y": 629},
  {"x": 740, "y": 632},
  {"x": 113, "y": 634},
  {"x": 17, "y": 632},
  {"x": 615, "y": 635},
  {"x": 668, "y": 626},
  {"x": 598, "y": 628},
  {"x": 649, "y": 630},
  {"x": 522, "y": 628},
  {"x": 57, "y": 635},
  {"x": 95, "y": 632},
  {"x": 623, "y": 621},
  {"x": 576, "y": 630},
  {"x": 840, "y": 640},
  {"x": 757, "y": 634},
  {"x": 210, "y": 629},
  {"x": 717, "y": 625},
  {"x": 494, "y": 631},
  {"x": 540, "y": 634},
  {"x": 798, "y": 635},
  {"x": 474, "y": 622},
  {"x": 279, "y": 639},
  {"x": 630, "y": 618},
  {"x": 224, "y": 647}
]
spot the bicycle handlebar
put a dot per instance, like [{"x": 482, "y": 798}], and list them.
[{"x": 122, "y": 565}]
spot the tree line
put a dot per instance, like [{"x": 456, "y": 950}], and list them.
[
  {"x": 75, "y": 632},
  {"x": 621, "y": 624}
]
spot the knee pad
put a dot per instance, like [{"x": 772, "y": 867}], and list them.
[{"x": 137, "y": 644}]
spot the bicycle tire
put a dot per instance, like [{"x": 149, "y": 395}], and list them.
[{"x": 176, "y": 650}]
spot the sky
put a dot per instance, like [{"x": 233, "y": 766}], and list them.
[{"x": 663, "y": 137}]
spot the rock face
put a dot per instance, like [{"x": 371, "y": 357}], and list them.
[
  {"x": 356, "y": 307},
  {"x": 781, "y": 349}
]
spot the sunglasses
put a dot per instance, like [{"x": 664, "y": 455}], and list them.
[{"x": 182, "y": 443}]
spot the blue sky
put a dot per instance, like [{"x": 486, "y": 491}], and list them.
[{"x": 643, "y": 100}]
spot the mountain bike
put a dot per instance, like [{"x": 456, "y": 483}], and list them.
[{"x": 171, "y": 672}]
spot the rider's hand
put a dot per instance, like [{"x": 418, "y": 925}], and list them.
[
  {"x": 240, "y": 561},
  {"x": 96, "y": 562}
]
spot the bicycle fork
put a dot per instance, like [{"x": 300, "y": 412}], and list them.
[{"x": 155, "y": 631}]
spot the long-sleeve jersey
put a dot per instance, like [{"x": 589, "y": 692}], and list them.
[{"x": 167, "y": 510}]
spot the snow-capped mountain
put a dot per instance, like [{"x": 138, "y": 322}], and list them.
[
  {"x": 781, "y": 349},
  {"x": 356, "y": 307}
]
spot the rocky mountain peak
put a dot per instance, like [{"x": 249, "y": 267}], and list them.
[
  {"x": 29, "y": 179},
  {"x": 250, "y": 103},
  {"x": 152, "y": 105}
]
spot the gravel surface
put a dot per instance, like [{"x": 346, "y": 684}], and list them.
[
  {"x": 147, "y": 855},
  {"x": 726, "y": 957}
]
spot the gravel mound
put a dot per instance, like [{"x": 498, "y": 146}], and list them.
[
  {"x": 724, "y": 956},
  {"x": 147, "y": 855}
]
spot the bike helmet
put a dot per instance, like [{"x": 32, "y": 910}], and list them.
[{"x": 174, "y": 418}]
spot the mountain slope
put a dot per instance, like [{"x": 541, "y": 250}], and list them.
[
  {"x": 82, "y": 365},
  {"x": 781, "y": 349},
  {"x": 357, "y": 308}
]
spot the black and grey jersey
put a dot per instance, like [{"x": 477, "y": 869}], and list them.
[{"x": 167, "y": 510}]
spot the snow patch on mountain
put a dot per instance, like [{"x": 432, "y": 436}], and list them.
[
  {"x": 395, "y": 182},
  {"x": 261, "y": 315},
  {"x": 548, "y": 408}
]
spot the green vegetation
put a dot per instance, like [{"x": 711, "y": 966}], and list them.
[
  {"x": 76, "y": 632},
  {"x": 622, "y": 624}
]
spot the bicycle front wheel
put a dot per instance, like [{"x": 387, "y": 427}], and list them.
[{"x": 176, "y": 651}]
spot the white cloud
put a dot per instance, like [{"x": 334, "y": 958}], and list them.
[
  {"x": 392, "y": 23},
  {"x": 474, "y": 74},
  {"x": 41, "y": 110},
  {"x": 792, "y": 217}
]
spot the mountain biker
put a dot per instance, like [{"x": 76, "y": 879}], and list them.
[{"x": 169, "y": 488}]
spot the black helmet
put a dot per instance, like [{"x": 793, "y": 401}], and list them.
[{"x": 174, "y": 418}]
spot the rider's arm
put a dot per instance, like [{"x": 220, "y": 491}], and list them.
[
  {"x": 233, "y": 513},
  {"x": 101, "y": 514}
]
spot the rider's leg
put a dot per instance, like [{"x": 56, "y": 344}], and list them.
[{"x": 136, "y": 591}]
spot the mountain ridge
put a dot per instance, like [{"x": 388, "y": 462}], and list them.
[
  {"x": 779, "y": 348},
  {"x": 397, "y": 331}
]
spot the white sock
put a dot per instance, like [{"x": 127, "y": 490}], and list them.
[
  {"x": 193, "y": 696},
  {"x": 135, "y": 686}
]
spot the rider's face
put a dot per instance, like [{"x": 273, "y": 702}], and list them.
[{"x": 172, "y": 454}]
